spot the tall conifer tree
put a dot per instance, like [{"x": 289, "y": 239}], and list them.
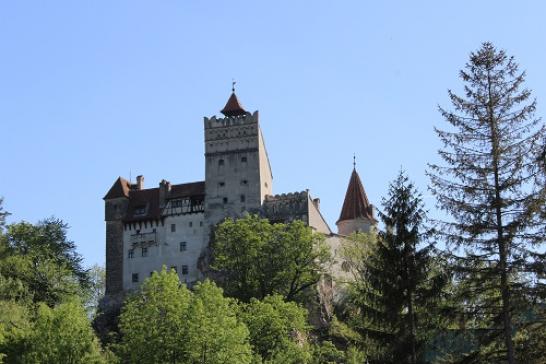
[
  {"x": 492, "y": 185},
  {"x": 397, "y": 286}
]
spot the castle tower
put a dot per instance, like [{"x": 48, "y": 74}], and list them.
[
  {"x": 237, "y": 170},
  {"x": 357, "y": 212},
  {"x": 116, "y": 202}
]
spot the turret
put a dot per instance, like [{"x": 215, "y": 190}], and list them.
[
  {"x": 116, "y": 202},
  {"x": 357, "y": 212}
]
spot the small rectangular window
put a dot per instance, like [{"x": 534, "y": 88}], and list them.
[
  {"x": 243, "y": 159},
  {"x": 183, "y": 246},
  {"x": 144, "y": 252},
  {"x": 131, "y": 254},
  {"x": 140, "y": 210},
  {"x": 184, "y": 269},
  {"x": 244, "y": 182},
  {"x": 221, "y": 184},
  {"x": 243, "y": 198},
  {"x": 134, "y": 278},
  {"x": 173, "y": 228},
  {"x": 200, "y": 223},
  {"x": 191, "y": 224},
  {"x": 224, "y": 199}
]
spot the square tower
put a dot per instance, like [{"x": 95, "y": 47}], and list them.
[{"x": 237, "y": 170}]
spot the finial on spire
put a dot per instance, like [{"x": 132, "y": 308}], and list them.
[
  {"x": 233, "y": 106},
  {"x": 354, "y": 160}
]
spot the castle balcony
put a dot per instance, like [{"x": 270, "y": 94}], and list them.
[{"x": 143, "y": 239}]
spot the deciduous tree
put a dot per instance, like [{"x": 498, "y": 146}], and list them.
[
  {"x": 278, "y": 330},
  {"x": 256, "y": 258}
]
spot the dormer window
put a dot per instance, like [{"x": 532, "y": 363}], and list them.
[{"x": 140, "y": 210}]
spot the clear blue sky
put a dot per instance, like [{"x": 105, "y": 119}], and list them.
[{"x": 90, "y": 90}]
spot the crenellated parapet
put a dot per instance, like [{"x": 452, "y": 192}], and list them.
[
  {"x": 287, "y": 207},
  {"x": 228, "y": 121}
]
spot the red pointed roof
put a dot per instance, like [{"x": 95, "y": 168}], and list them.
[
  {"x": 120, "y": 188},
  {"x": 233, "y": 107},
  {"x": 356, "y": 204}
]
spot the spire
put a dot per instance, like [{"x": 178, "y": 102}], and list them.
[
  {"x": 356, "y": 204},
  {"x": 233, "y": 106}
]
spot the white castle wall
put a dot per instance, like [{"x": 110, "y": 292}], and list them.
[{"x": 166, "y": 249}]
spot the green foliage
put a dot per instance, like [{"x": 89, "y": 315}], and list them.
[
  {"x": 340, "y": 331},
  {"x": 214, "y": 333},
  {"x": 396, "y": 291},
  {"x": 3, "y": 215},
  {"x": 166, "y": 323},
  {"x": 43, "y": 260},
  {"x": 97, "y": 288},
  {"x": 327, "y": 353},
  {"x": 278, "y": 330},
  {"x": 62, "y": 335},
  {"x": 257, "y": 258},
  {"x": 492, "y": 185},
  {"x": 15, "y": 327},
  {"x": 152, "y": 321}
]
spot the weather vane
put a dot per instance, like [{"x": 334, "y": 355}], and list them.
[
  {"x": 354, "y": 160},
  {"x": 233, "y": 82}
]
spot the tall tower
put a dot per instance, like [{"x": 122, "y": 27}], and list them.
[
  {"x": 357, "y": 212},
  {"x": 237, "y": 170},
  {"x": 116, "y": 202}
]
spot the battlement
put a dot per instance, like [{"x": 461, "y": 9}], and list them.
[
  {"x": 287, "y": 207},
  {"x": 246, "y": 119},
  {"x": 287, "y": 196}
]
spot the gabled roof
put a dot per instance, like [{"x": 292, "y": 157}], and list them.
[
  {"x": 120, "y": 188},
  {"x": 356, "y": 204},
  {"x": 233, "y": 107}
]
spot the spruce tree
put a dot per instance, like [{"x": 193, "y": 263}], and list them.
[
  {"x": 398, "y": 286},
  {"x": 492, "y": 187}
]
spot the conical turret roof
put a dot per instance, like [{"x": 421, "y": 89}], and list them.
[
  {"x": 233, "y": 106},
  {"x": 356, "y": 204}
]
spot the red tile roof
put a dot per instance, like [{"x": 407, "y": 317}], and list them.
[
  {"x": 356, "y": 204},
  {"x": 120, "y": 188},
  {"x": 148, "y": 199},
  {"x": 233, "y": 107}
]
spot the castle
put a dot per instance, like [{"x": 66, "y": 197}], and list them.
[{"x": 170, "y": 225}]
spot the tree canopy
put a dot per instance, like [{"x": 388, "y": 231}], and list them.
[
  {"x": 256, "y": 258},
  {"x": 164, "y": 322}
]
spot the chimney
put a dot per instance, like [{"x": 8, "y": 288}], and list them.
[
  {"x": 140, "y": 182},
  {"x": 164, "y": 189},
  {"x": 316, "y": 202}
]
